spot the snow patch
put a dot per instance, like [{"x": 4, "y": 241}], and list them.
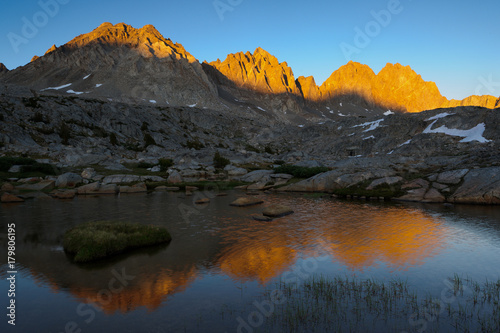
[
  {"x": 98, "y": 85},
  {"x": 193, "y": 105},
  {"x": 473, "y": 134},
  {"x": 373, "y": 125},
  {"x": 340, "y": 104},
  {"x": 152, "y": 101},
  {"x": 331, "y": 111},
  {"x": 262, "y": 109},
  {"x": 389, "y": 153},
  {"x": 57, "y": 88},
  {"x": 369, "y": 137},
  {"x": 301, "y": 126},
  {"x": 388, "y": 113},
  {"x": 86, "y": 77},
  {"x": 439, "y": 116},
  {"x": 342, "y": 115},
  {"x": 405, "y": 143},
  {"x": 74, "y": 92}
]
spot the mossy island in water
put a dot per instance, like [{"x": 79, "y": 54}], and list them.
[{"x": 96, "y": 240}]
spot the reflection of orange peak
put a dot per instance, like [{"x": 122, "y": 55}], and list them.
[
  {"x": 248, "y": 260},
  {"x": 149, "y": 292},
  {"x": 399, "y": 239}
]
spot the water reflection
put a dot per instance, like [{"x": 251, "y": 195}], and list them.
[{"x": 225, "y": 241}]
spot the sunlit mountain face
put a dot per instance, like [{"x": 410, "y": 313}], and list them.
[{"x": 137, "y": 65}]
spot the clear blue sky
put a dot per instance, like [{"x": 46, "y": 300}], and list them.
[{"x": 453, "y": 43}]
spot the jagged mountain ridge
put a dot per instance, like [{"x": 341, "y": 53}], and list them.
[
  {"x": 122, "y": 63},
  {"x": 141, "y": 66}
]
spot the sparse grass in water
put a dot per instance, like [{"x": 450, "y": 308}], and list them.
[{"x": 347, "y": 304}]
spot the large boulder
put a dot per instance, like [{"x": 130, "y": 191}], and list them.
[
  {"x": 7, "y": 187},
  {"x": 452, "y": 177},
  {"x": 121, "y": 179},
  {"x": 384, "y": 181},
  {"x": 480, "y": 186},
  {"x": 257, "y": 176},
  {"x": 137, "y": 188},
  {"x": 68, "y": 179},
  {"x": 309, "y": 164},
  {"x": 233, "y": 171},
  {"x": 336, "y": 179},
  {"x": 64, "y": 194},
  {"x": 89, "y": 188},
  {"x": 10, "y": 198},
  {"x": 174, "y": 178},
  {"x": 88, "y": 173},
  {"x": 43, "y": 185}
]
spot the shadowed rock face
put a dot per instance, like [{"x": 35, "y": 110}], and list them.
[
  {"x": 122, "y": 63},
  {"x": 3, "y": 69}
]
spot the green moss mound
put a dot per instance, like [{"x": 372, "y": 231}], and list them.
[{"x": 95, "y": 240}]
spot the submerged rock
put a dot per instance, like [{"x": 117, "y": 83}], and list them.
[
  {"x": 277, "y": 211},
  {"x": 202, "y": 201},
  {"x": 246, "y": 201},
  {"x": 262, "y": 218}
]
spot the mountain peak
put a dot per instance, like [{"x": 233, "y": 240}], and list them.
[
  {"x": 262, "y": 52},
  {"x": 147, "y": 40},
  {"x": 259, "y": 71},
  {"x": 3, "y": 68},
  {"x": 51, "y": 49}
]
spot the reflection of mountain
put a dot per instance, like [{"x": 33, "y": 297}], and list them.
[
  {"x": 149, "y": 291},
  {"x": 146, "y": 283},
  {"x": 253, "y": 259},
  {"x": 356, "y": 235},
  {"x": 398, "y": 238}
]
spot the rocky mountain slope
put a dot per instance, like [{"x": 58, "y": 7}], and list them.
[{"x": 122, "y": 63}]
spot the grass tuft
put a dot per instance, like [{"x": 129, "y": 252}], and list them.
[{"x": 96, "y": 240}]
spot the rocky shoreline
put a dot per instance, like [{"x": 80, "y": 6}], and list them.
[{"x": 381, "y": 179}]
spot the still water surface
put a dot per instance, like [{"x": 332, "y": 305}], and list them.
[{"x": 220, "y": 260}]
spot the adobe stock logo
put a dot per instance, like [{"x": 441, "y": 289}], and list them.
[
  {"x": 222, "y": 6},
  {"x": 492, "y": 87},
  {"x": 30, "y": 28},
  {"x": 373, "y": 28}
]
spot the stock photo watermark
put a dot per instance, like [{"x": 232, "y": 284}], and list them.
[
  {"x": 364, "y": 36},
  {"x": 265, "y": 308},
  {"x": 488, "y": 86},
  {"x": 31, "y": 26},
  {"x": 223, "y": 6},
  {"x": 87, "y": 310}
]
